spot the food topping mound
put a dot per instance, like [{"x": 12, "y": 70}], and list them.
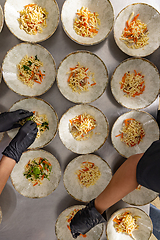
[
  {"x": 33, "y": 19},
  {"x": 86, "y": 23},
  {"x": 37, "y": 169},
  {"x": 88, "y": 174},
  {"x": 29, "y": 71},
  {"x": 132, "y": 132},
  {"x": 135, "y": 34},
  {"x": 79, "y": 78},
  {"x": 132, "y": 84},
  {"x": 81, "y": 126}
]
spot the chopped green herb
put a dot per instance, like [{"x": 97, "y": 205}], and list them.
[
  {"x": 30, "y": 63},
  {"x": 26, "y": 68},
  {"x": 36, "y": 58}
]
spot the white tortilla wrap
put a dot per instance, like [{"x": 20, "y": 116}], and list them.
[
  {"x": 62, "y": 232},
  {"x": 151, "y": 78},
  {"x": 72, "y": 184},
  {"x": 11, "y": 13},
  {"x": 24, "y": 186},
  {"x": 143, "y": 232},
  {"x": 148, "y": 15},
  {"x": 10, "y": 70},
  {"x": 100, "y": 132},
  {"x": 42, "y": 107},
  {"x": 95, "y": 65},
  {"x": 106, "y": 16},
  {"x": 150, "y": 127}
]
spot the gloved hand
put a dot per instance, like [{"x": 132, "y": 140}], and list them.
[
  {"x": 9, "y": 120},
  {"x": 24, "y": 138},
  {"x": 85, "y": 219}
]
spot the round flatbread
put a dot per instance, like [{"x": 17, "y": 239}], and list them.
[
  {"x": 10, "y": 69},
  {"x": 24, "y": 186},
  {"x": 72, "y": 183},
  {"x": 42, "y": 107},
  {"x": 144, "y": 223},
  {"x": 148, "y": 15},
  {"x": 151, "y": 82},
  {"x": 140, "y": 196},
  {"x": 106, "y": 16},
  {"x": 62, "y": 231},
  {"x": 11, "y": 12},
  {"x": 97, "y": 74},
  {"x": 99, "y": 133},
  {"x": 1, "y": 18},
  {"x": 150, "y": 127}
]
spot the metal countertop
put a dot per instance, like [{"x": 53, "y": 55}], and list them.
[{"x": 34, "y": 219}]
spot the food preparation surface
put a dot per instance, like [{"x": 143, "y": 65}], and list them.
[{"x": 32, "y": 219}]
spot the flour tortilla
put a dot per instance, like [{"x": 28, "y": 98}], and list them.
[
  {"x": 36, "y": 104},
  {"x": 150, "y": 127},
  {"x": 10, "y": 70},
  {"x": 142, "y": 233},
  {"x": 103, "y": 8},
  {"x": 62, "y": 232},
  {"x": 100, "y": 133},
  {"x": 72, "y": 185},
  {"x": 24, "y": 186},
  {"x": 11, "y": 13},
  {"x": 95, "y": 65}
]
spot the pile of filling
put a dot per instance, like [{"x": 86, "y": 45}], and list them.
[
  {"x": 126, "y": 223},
  {"x": 69, "y": 218},
  {"x": 81, "y": 126},
  {"x": 132, "y": 132},
  {"x": 32, "y": 19},
  {"x": 133, "y": 84},
  {"x": 88, "y": 174},
  {"x": 135, "y": 34},
  {"x": 41, "y": 121},
  {"x": 29, "y": 71},
  {"x": 79, "y": 78},
  {"x": 38, "y": 169},
  {"x": 86, "y": 23}
]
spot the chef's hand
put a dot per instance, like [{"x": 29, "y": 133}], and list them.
[
  {"x": 9, "y": 120},
  {"x": 24, "y": 138},
  {"x": 85, "y": 219}
]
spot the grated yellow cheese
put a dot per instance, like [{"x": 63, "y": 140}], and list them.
[
  {"x": 80, "y": 78},
  {"x": 135, "y": 34},
  {"x": 86, "y": 23},
  {"x": 32, "y": 19},
  {"x": 88, "y": 174},
  {"x": 81, "y": 126},
  {"x": 132, "y": 132},
  {"x": 125, "y": 223},
  {"x": 132, "y": 84},
  {"x": 29, "y": 71}
]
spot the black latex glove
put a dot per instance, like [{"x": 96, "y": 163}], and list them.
[
  {"x": 24, "y": 138},
  {"x": 85, "y": 219},
  {"x": 9, "y": 120}
]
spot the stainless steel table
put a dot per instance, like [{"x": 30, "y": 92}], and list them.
[{"x": 34, "y": 219}]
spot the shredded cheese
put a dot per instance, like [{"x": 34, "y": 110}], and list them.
[
  {"x": 132, "y": 132},
  {"x": 135, "y": 34},
  {"x": 86, "y": 23},
  {"x": 41, "y": 121},
  {"x": 69, "y": 218},
  {"x": 81, "y": 126},
  {"x": 132, "y": 84},
  {"x": 33, "y": 18},
  {"x": 29, "y": 71},
  {"x": 79, "y": 78},
  {"x": 125, "y": 223},
  {"x": 88, "y": 174}
]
